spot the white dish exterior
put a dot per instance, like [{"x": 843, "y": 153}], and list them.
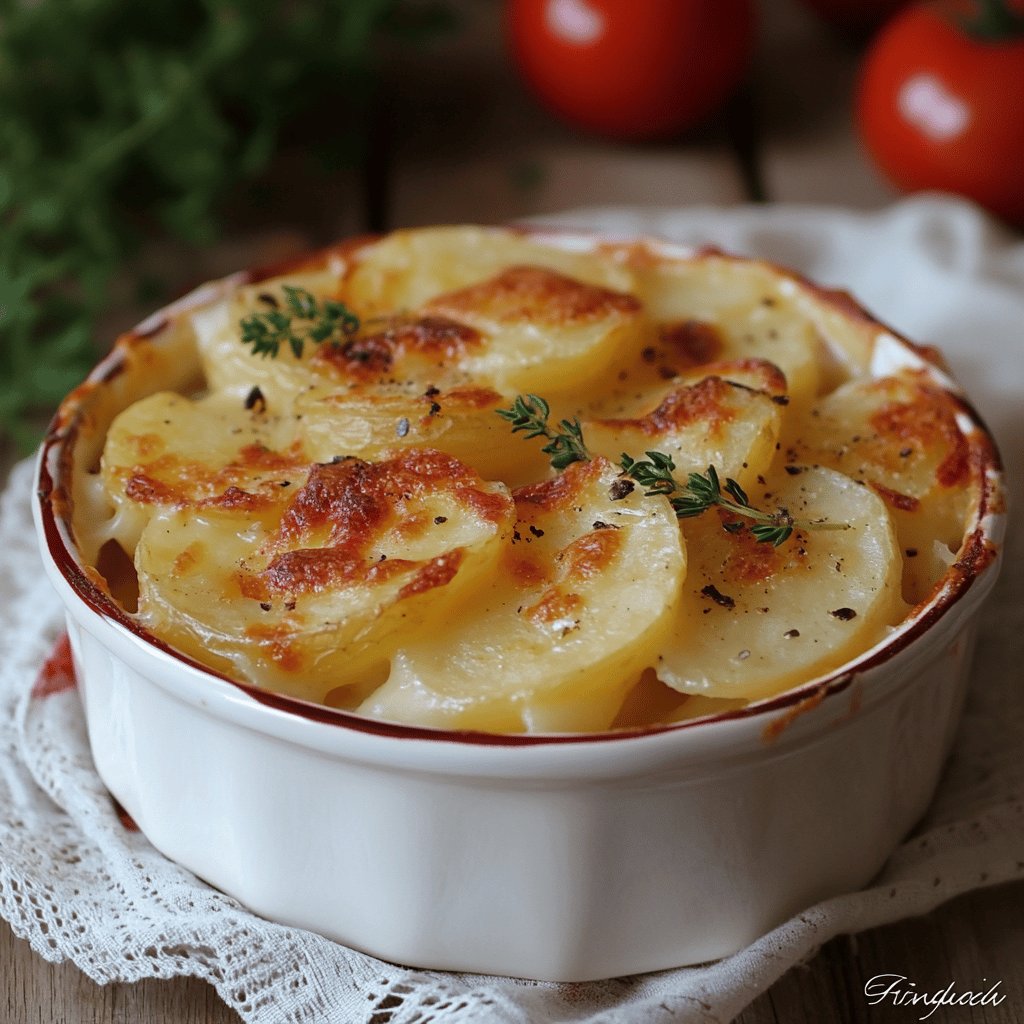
[{"x": 554, "y": 858}]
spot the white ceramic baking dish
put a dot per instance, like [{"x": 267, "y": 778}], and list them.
[{"x": 563, "y": 858}]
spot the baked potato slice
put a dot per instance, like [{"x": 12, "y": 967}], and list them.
[
  {"x": 713, "y": 308},
  {"x": 583, "y": 602},
  {"x": 314, "y": 602},
  {"x": 544, "y": 331},
  {"x": 369, "y": 422},
  {"x": 901, "y": 436},
  {"x": 169, "y": 451},
  {"x": 713, "y": 420},
  {"x": 407, "y": 269},
  {"x": 230, "y": 365},
  {"x": 755, "y": 619}
]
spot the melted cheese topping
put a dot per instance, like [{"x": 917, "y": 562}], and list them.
[{"x": 358, "y": 527}]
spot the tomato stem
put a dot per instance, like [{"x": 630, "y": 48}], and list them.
[{"x": 994, "y": 21}]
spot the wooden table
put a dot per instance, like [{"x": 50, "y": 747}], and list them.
[{"x": 466, "y": 144}]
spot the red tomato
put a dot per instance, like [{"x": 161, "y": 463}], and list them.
[
  {"x": 940, "y": 109},
  {"x": 632, "y": 69}
]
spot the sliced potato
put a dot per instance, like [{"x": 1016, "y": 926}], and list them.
[
  {"x": 424, "y": 348},
  {"x": 713, "y": 421},
  {"x": 900, "y": 436},
  {"x": 168, "y": 451},
  {"x": 584, "y": 599},
  {"x": 526, "y": 329},
  {"x": 314, "y": 602},
  {"x": 407, "y": 269},
  {"x": 319, "y": 523},
  {"x": 652, "y": 702},
  {"x": 388, "y": 352},
  {"x": 755, "y": 619},
  {"x": 230, "y": 366},
  {"x": 713, "y": 308},
  {"x": 545, "y": 332},
  {"x": 369, "y": 422}
]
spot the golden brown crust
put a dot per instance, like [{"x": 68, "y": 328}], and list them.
[
  {"x": 175, "y": 482},
  {"x": 534, "y": 295},
  {"x": 370, "y": 357},
  {"x": 560, "y": 492},
  {"x": 523, "y": 571},
  {"x": 589, "y": 555},
  {"x": 706, "y": 402},
  {"x": 234, "y": 499},
  {"x": 468, "y": 398},
  {"x": 329, "y": 530},
  {"x": 895, "y": 499},
  {"x": 751, "y": 561},
  {"x": 689, "y": 343},
  {"x": 354, "y": 500},
  {"x": 927, "y": 421},
  {"x": 554, "y": 605},
  {"x": 314, "y": 570},
  {"x": 188, "y": 559},
  {"x": 147, "y": 490},
  {"x": 436, "y": 573}
]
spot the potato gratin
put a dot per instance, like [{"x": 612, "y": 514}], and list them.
[{"x": 352, "y": 520}]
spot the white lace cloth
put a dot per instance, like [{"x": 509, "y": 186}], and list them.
[{"x": 80, "y": 886}]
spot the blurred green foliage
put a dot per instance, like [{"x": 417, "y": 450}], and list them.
[{"x": 122, "y": 120}]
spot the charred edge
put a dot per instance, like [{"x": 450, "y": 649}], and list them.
[{"x": 894, "y": 499}]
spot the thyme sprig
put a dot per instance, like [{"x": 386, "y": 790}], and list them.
[
  {"x": 303, "y": 318},
  {"x": 530, "y": 413},
  {"x": 701, "y": 492}
]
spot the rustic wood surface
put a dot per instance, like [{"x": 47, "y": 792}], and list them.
[{"x": 467, "y": 144}]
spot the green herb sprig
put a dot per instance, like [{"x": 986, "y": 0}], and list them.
[
  {"x": 703, "y": 491},
  {"x": 655, "y": 474},
  {"x": 303, "y": 318},
  {"x": 530, "y": 413},
  {"x": 126, "y": 123}
]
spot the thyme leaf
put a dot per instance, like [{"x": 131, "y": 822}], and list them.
[
  {"x": 303, "y": 318},
  {"x": 530, "y": 414},
  {"x": 656, "y": 475},
  {"x": 703, "y": 491}
]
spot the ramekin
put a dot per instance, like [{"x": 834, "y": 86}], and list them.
[{"x": 551, "y": 857}]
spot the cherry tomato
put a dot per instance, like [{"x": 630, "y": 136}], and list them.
[
  {"x": 940, "y": 108},
  {"x": 632, "y": 69}
]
